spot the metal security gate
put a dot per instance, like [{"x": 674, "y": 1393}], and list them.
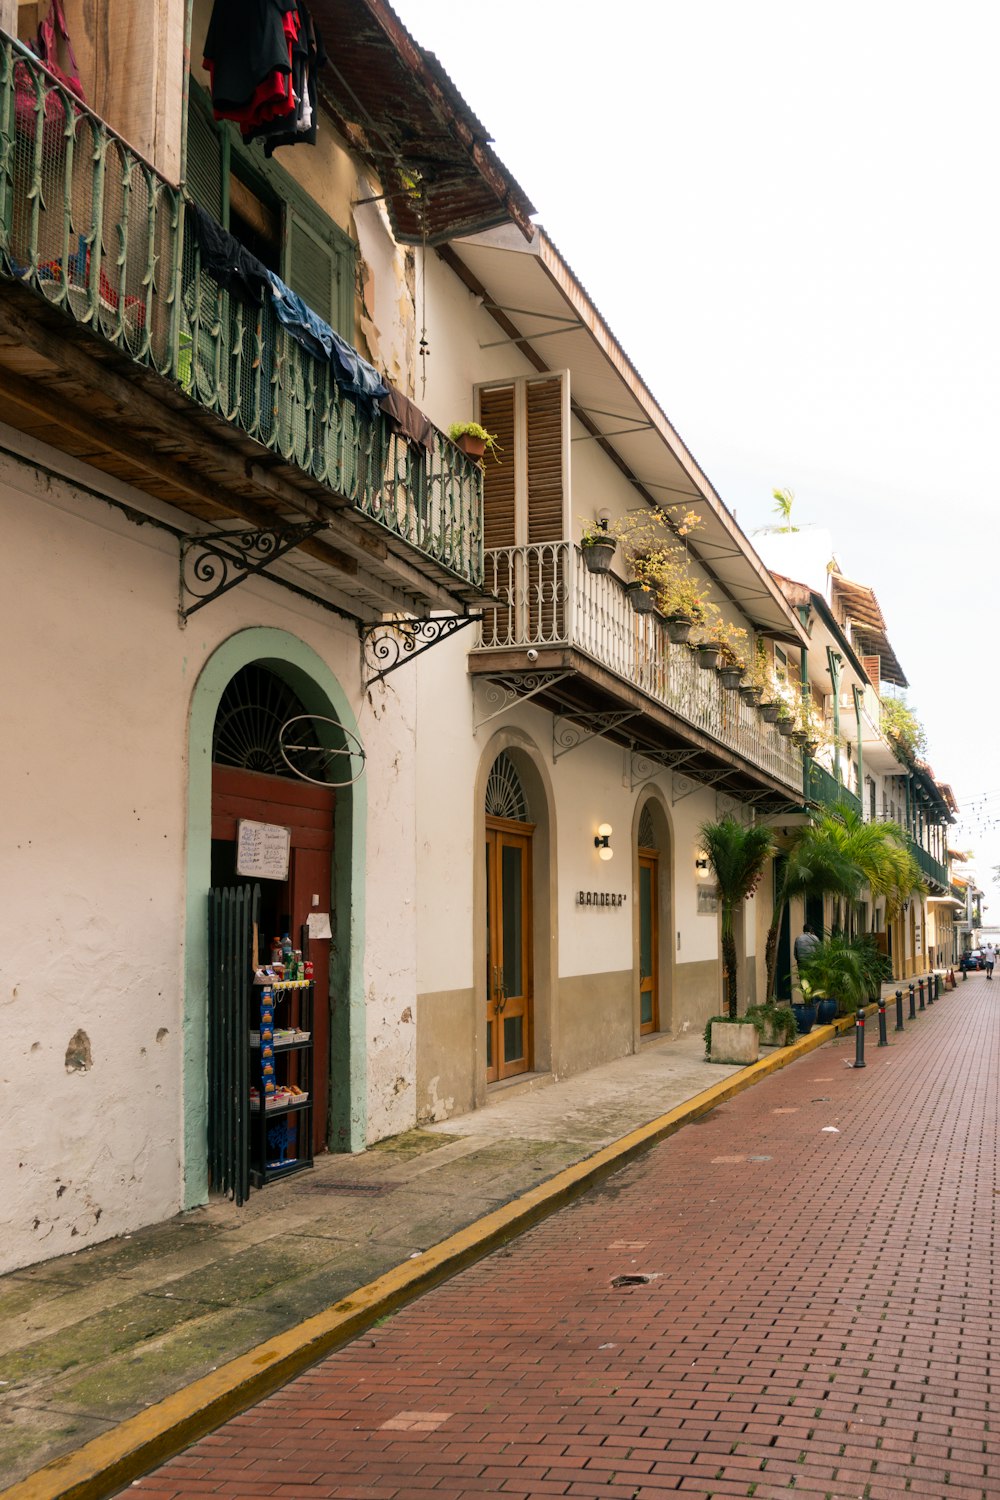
[{"x": 232, "y": 920}]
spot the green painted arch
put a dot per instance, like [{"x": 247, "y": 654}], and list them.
[{"x": 310, "y": 677}]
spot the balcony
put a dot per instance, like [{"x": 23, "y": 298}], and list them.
[
  {"x": 825, "y": 789},
  {"x": 95, "y": 265},
  {"x": 619, "y": 663},
  {"x": 932, "y": 868}
]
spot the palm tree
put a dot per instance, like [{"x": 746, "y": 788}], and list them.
[
  {"x": 816, "y": 864},
  {"x": 839, "y": 854},
  {"x": 737, "y": 854}
]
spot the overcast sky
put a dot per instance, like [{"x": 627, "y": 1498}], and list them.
[{"x": 788, "y": 215}]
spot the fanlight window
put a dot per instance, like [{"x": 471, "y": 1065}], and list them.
[
  {"x": 647, "y": 833},
  {"x": 504, "y": 793},
  {"x": 253, "y": 708}
]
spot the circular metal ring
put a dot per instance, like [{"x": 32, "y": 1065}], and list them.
[{"x": 318, "y": 756}]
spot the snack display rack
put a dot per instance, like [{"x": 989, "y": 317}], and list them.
[{"x": 281, "y": 1078}]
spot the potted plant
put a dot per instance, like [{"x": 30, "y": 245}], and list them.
[
  {"x": 737, "y": 853},
  {"x": 681, "y": 601},
  {"x": 785, "y": 722},
  {"x": 842, "y": 974},
  {"x": 735, "y": 655},
  {"x": 655, "y": 556},
  {"x": 775, "y": 1023},
  {"x": 474, "y": 440},
  {"x": 598, "y": 546}
]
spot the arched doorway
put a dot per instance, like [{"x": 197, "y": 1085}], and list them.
[
  {"x": 314, "y": 685},
  {"x": 251, "y": 780},
  {"x": 509, "y": 927}
]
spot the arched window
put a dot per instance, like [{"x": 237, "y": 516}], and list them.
[
  {"x": 504, "y": 792},
  {"x": 647, "y": 833},
  {"x": 254, "y": 706}
]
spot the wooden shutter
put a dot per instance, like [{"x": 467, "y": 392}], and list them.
[
  {"x": 547, "y": 565},
  {"x": 496, "y": 413},
  {"x": 311, "y": 268},
  {"x": 204, "y": 171},
  {"x": 545, "y": 459}
]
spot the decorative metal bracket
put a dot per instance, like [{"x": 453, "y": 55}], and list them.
[
  {"x": 683, "y": 785},
  {"x": 515, "y": 687},
  {"x": 388, "y": 644},
  {"x": 573, "y": 730},
  {"x": 214, "y": 562},
  {"x": 643, "y": 765}
]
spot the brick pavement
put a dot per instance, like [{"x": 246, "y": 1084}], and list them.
[{"x": 819, "y": 1317}]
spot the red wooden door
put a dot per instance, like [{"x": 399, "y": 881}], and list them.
[{"x": 308, "y": 811}]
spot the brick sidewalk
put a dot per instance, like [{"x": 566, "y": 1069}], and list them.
[{"x": 819, "y": 1319}]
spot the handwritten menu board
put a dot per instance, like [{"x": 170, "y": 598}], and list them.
[{"x": 262, "y": 850}]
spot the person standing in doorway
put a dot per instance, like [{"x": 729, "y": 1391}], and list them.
[{"x": 806, "y": 943}]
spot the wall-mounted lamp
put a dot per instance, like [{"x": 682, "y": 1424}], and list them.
[
  {"x": 603, "y": 518},
  {"x": 602, "y": 841},
  {"x": 701, "y": 865}
]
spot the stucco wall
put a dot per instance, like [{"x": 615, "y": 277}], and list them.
[{"x": 96, "y": 863}]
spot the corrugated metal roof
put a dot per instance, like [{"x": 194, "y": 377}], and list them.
[
  {"x": 857, "y": 603},
  {"x": 396, "y": 104}
]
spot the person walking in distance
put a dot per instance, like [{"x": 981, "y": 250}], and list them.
[{"x": 989, "y": 958}]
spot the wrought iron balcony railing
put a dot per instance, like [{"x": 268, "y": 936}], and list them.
[
  {"x": 826, "y": 789},
  {"x": 928, "y": 864},
  {"x": 93, "y": 229},
  {"x": 548, "y": 597}
]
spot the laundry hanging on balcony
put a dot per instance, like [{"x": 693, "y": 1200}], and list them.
[
  {"x": 406, "y": 418},
  {"x": 262, "y": 57},
  {"x": 226, "y": 260},
  {"x": 354, "y": 375}
]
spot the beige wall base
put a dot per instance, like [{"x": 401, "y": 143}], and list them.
[
  {"x": 597, "y": 1021},
  {"x": 697, "y": 995},
  {"x": 447, "y": 1060}
]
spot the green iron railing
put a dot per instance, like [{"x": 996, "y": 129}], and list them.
[
  {"x": 928, "y": 864},
  {"x": 826, "y": 789},
  {"x": 92, "y": 228}
]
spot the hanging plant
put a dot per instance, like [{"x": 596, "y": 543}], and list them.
[{"x": 598, "y": 546}]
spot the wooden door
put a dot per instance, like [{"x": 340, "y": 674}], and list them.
[
  {"x": 509, "y": 989},
  {"x": 285, "y": 905},
  {"x": 649, "y": 944}
]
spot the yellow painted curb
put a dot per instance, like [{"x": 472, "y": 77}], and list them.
[{"x": 113, "y": 1460}]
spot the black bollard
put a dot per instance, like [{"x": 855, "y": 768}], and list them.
[
  {"x": 883, "y": 1040},
  {"x": 965, "y": 972},
  {"x": 899, "y": 1010},
  {"x": 920, "y": 990},
  {"x": 931, "y": 987},
  {"x": 859, "y": 1039},
  {"x": 913, "y": 1002}
]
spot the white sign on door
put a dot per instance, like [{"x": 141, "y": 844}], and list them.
[{"x": 262, "y": 850}]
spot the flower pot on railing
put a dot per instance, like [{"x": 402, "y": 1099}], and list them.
[
  {"x": 678, "y": 628},
  {"x": 709, "y": 654},
  {"x": 730, "y": 676},
  {"x": 799, "y": 738},
  {"x": 640, "y": 596},
  {"x": 750, "y": 694},
  {"x": 769, "y": 713},
  {"x": 786, "y": 727},
  {"x": 810, "y": 747},
  {"x": 598, "y": 553}
]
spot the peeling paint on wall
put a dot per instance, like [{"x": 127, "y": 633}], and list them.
[{"x": 78, "y": 1054}]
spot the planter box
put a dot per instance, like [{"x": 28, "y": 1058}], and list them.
[{"x": 734, "y": 1043}]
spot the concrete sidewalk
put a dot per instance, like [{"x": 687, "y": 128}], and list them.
[{"x": 91, "y": 1342}]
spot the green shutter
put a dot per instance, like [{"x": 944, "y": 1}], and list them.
[
  {"x": 204, "y": 173},
  {"x": 311, "y": 268}
]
